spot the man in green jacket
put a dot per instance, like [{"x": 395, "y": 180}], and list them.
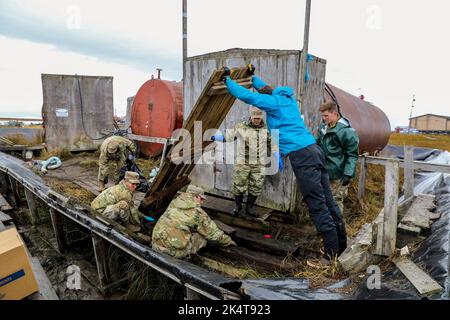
[{"x": 340, "y": 143}]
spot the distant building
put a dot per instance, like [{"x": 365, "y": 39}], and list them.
[{"x": 431, "y": 123}]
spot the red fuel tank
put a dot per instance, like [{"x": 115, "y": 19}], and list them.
[{"x": 156, "y": 112}]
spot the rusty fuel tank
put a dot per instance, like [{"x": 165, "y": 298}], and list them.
[
  {"x": 156, "y": 112},
  {"x": 369, "y": 121}
]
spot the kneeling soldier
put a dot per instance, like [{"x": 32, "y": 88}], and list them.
[
  {"x": 116, "y": 202},
  {"x": 185, "y": 228}
]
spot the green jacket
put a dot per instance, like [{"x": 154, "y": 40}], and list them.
[{"x": 340, "y": 147}]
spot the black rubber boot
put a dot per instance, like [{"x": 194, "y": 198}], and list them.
[
  {"x": 331, "y": 244},
  {"x": 249, "y": 207},
  {"x": 238, "y": 206},
  {"x": 342, "y": 236}
]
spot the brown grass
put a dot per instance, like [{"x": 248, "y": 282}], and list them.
[
  {"x": 436, "y": 141},
  {"x": 146, "y": 165},
  {"x": 61, "y": 153},
  {"x": 70, "y": 189},
  {"x": 21, "y": 139}
]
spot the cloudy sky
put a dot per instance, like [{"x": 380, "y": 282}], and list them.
[{"x": 387, "y": 50}]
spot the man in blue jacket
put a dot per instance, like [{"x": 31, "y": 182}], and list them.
[{"x": 307, "y": 160}]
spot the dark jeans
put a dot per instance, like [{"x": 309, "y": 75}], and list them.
[{"x": 308, "y": 165}]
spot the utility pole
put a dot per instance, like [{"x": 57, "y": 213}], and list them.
[
  {"x": 184, "y": 37},
  {"x": 304, "y": 55},
  {"x": 410, "y": 113}
]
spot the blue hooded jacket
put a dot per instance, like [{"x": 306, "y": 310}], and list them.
[{"x": 282, "y": 113}]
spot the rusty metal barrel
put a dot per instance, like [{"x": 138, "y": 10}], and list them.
[
  {"x": 369, "y": 121},
  {"x": 156, "y": 112}
]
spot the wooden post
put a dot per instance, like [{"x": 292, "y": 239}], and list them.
[
  {"x": 14, "y": 192},
  {"x": 191, "y": 295},
  {"x": 58, "y": 229},
  {"x": 362, "y": 178},
  {"x": 408, "y": 184},
  {"x": 388, "y": 229},
  {"x": 31, "y": 206},
  {"x": 100, "y": 247}
]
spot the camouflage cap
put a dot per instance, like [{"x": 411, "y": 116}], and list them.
[
  {"x": 112, "y": 147},
  {"x": 132, "y": 177},
  {"x": 196, "y": 190},
  {"x": 255, "y": 112}
]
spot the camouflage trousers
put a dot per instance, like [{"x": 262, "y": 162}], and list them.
[
  {"x": 196, "y": 242},
  {"x": 248, "y": 177},
  {"x": 339, "y": 193},
  {"x": 110, "y": 169},
  {"x": 122, "y": 212}
]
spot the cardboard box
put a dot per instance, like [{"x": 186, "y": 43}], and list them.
[{"x": 17, "y": 279}]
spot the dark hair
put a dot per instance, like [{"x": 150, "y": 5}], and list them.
[
  {"x": 329, "y": 106},
  {"x": 266, "y": 90}
]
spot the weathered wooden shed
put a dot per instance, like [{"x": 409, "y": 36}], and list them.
[
  {"x": 431, "y": 123},
  {"x": 276, "y": 67},
  {"x": 77, "y": 111}
]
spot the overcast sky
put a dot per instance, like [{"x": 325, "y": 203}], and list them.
[{"x": 387, "y": 50}]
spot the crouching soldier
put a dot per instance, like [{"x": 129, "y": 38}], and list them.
[
  {"x": 249, "y": 171},
  {"x": 185, "y": 228},
  {"x": 116, "y": 202},
  {"x": 113, "y": 153}
]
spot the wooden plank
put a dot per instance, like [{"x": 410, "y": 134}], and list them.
[
  {"x": 243, "y": 222},
  {"x": 389, "y": 227},
  {"x": 4, "y": 183},
  {"x": 101, "y": 259},
  {"x": 257, "y": 241},
  {"x": 362, "y": 178},
  {"x": 31, "y": 206},
  {"x": 424, "y": 284},
  {"x": 417, "y": 165},
  {"x": 58, "y": 229},
  {"x": 224, "y": 227},
  {"x": 408, "y": 184},
  {"x": 210, "y": 111},
  {"x": 4, "y": 205}
]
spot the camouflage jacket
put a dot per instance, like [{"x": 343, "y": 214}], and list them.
[
  {"x": 112, "y": 196},
  {"x": 124, "y": 145},
  {"x": 253, "y": 143},
  {"x": 183, "y": 217}
]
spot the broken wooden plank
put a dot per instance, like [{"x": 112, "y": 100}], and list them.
[
  {"x": 424, "y": 284},
  {"x": 420, "y": 214},
  {"x": 257, "y": 241},
  {"x": 224, "y": 227},
  {"x": 362, "y": 178},
  {"x": 210, "y": 111},
  {"x": 4, "y": 205}
]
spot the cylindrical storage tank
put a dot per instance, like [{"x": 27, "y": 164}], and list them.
[
  {"x": 156, "y": 112},
  {"x": 369, "y": 121}
]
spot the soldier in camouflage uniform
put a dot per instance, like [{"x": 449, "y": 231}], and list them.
[
  {"x": 116, "y": 202},
  {"x": 185, "y": 228},
  {"x": 249, "y": 171},
  {"x": 340, "y": 143},
  {"x": 113, "y": 153}
]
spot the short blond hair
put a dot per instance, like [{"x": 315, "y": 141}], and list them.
[{"x": 329, "y": 106}]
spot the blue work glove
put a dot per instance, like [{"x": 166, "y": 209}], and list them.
[
  {"x": 218, "y": 137},
  {"x": 279, "y": 160},
  {"x": 149, "y": 219},
  {"x": 226, "y": 73}
]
